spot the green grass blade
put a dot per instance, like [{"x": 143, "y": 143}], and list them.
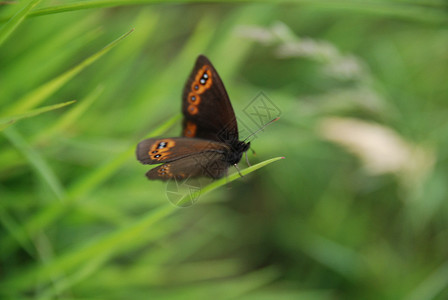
[
  {"x": 6, "y": 124},
  {"x": 432, "y": 286},
  {"x": 105, "y": 247},
  {"x": 40, "y": 94},
  {"x": 81, "y": 274},
  {"x": 15, "y": 230},
  {"x": 15, "y": 21},
  {"x": 237, "y": 288},
  {"x": 6, "y": 121},
  {"x": 52, "y": 212},
  {"x": 186, "y": 199},
  {"x": 410, "y": 10},
  {"x": 88, "y": 5},
  {"x": 111, "y": 244},
  {"x": 165, "y": 126},
  {"x": 36, "y": 161},
  {"x": 6, "y": 156},
  {"x": 101, "y": 174},
  {"x": 71, "y": 116}
]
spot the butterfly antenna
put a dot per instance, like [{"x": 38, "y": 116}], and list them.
[
  {"x": 261, "y": 128},
  {"x": 238, "y": 169}
]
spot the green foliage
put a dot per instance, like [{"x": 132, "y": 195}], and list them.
[{"x": 357, "y": 210}]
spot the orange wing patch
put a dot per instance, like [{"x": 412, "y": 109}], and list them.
[
  {"x": 202, "y": 82},
  {"x": 160, "y": 149},
  {"x": 165, "y": 172},
  {"x": 192, "y": 109},
  {"x": 194, "y": 99},
  {"x": 190, "y": 129}
]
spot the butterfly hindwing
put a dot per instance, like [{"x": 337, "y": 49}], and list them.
[
  {"x": 160, "y": 150},
  {"x": 208, "y": 113},
  {"x": 208, "y": 164}
]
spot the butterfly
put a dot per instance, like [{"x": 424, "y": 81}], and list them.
[{"x": 209, "y": 144}]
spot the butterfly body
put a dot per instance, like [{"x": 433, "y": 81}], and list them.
[
  {"x": 209, "y": 142},
  {"x": 233, "y": 157}
]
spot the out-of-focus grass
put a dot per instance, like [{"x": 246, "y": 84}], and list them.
[
  {"x": 7, "y": 29},
  {"x": 40, "y": 94},
  {"x": 9, "y": 120},
  {"x": 79, "y": 219}
]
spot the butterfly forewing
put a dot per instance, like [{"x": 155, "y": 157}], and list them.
[{"x": 208, "y": 113}]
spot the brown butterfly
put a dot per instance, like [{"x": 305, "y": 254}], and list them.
[{"x": 209, "y": 144}]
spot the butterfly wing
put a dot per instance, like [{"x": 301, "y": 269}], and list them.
[
  {"x": 208, "y": 113},
  {"x": 160, "y": 150},
  {"x": 208, "y": 164}
]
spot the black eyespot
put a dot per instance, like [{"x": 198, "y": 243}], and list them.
[
  {"x": 205, "y": 76},
  {"x": 196, "y": 87},
  {"x": 157, "y": 156},
  {"x": 155, "y": 151},
  {"x": 162, "y": 169},
  {"x": 163, "y": 173},
  {"x": 202, "y": 81},
  {"x": 191, "y": 108},
  {"x": 193, "y": 98}
]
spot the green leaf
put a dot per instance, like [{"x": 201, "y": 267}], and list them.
[
  {"x": 6, "y": 121},
  {"x": 223, "y": 181},
  {"x": 15, "y": 21},
  {"x": 44, "y": 91}
]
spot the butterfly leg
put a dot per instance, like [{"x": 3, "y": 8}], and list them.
[
  {"x": 238, "y": 169},
  {"x": 247, "y": 159},
  {"x": 227, "y": 179}
]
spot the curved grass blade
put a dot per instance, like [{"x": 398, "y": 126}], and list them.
[
  {"x": 15, "y": 21},
  {"x": 409, "y": 10},
  {"x": 15, "y": 229},
  {"x": 431, "y": 286},
  {"x": 105, "y": 247},
  {"x": 6, "y": 121},
  {"x": 37, "y": 162},
  {"x": 223, "y": 181},
  {"x": 55, "y": 210},
  {"x": 111, "y": 244},
  {"x": 8, "y": 157},
  {"x": 44, "y": 91},
  {"x": 89, "y": 4},
  {"x": 98, "y": 176},
  {"x": 71, "y": 116},
  {"x": 4, "y": 125}
]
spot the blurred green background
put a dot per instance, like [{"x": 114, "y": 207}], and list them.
[{"x": 357, "y": 210}]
